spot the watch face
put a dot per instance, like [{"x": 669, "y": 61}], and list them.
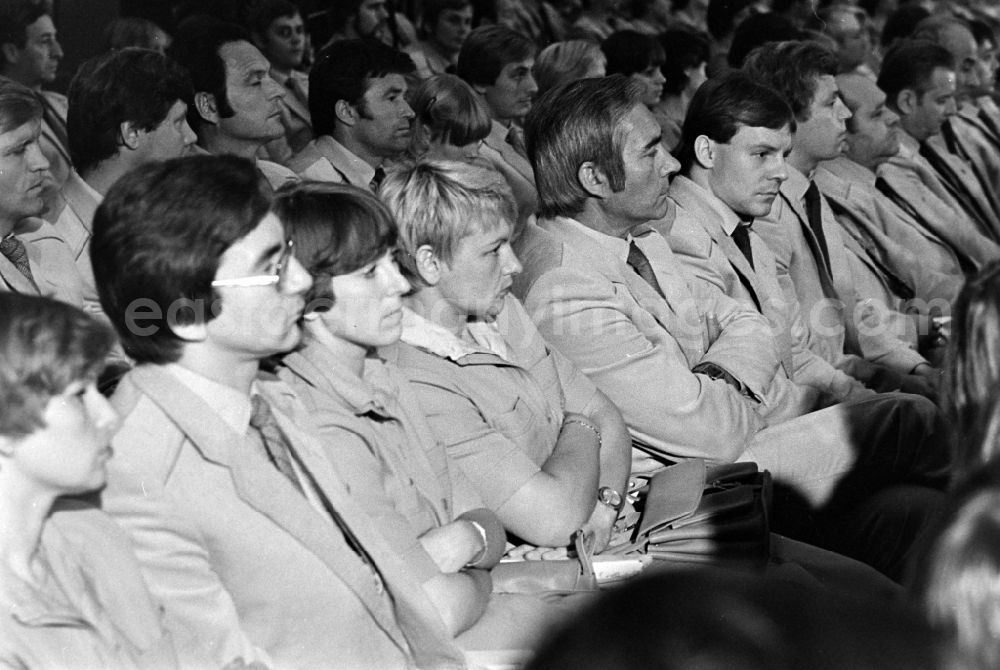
[{"x": 609, "y": 496}]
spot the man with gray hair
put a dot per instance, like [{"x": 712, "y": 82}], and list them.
[{"x": 691, "y": 369}]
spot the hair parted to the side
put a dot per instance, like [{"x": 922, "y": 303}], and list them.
[
  {"x": 18, "y": 105},
  {"x": 487, "y": 50},
  {"x": 438, "y": 203},
  {"x": 910, "y": 64},
  {"x": 132, "y": 85},
  {"x": 342, "y": 72},
  {"x": 337, "y": 228},
  {"x": 726, "y": 103},
  {"x": 158, "y": 239},
  {"x": 792, "y": 69},
  {"x": 45, "y": 345},
  {"x": 572, "y": 125}
]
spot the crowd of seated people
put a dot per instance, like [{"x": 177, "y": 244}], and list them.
[{"x": 351, "y": 333}]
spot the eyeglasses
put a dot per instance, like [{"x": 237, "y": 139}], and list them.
[{"x": 279, "y": 277}]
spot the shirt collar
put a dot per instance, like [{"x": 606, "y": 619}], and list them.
[
  {"x": 436, "y": 339},
  {"x": 229, "y": 404},
  {"x": 372, "y": 392},
  {"x": 727, "y": 217},
  {"x": 908, "y": 145},
  {"x": 847, "y": 170},
  {"x": 344, "y": 158}
]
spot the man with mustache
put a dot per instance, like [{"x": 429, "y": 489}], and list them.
[
  {"x": 127, "y": 109},
  {"x": 33, "y": 258},
  {"x": 357, "y": 99},
  {"x": 236, "y": 106},
  {"x": 851, "y": 326}
]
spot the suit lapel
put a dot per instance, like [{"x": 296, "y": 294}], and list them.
[
  {"x": 262, "y": 486},
  {"x": 79, "y": 200},
  {"x": 826, "y": 281}
]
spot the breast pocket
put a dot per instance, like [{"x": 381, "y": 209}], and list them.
[{"x": 515, "y": 422}]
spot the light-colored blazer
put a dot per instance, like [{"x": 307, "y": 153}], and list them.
[
  {"x": 60, "y": 164},
  {"x": 915, "y": 186},
  {"x": 514, "y": 167},
  {"x": 828, "y": 299},
  {"x": 326, "y": 159},
  {"x": 962, "y": 180},
  {"x": 701, "y": 243},
  {"x": 639, "y": 348},
  {"x": 51, "y": 263},
  {"x": 245, "y": 566},
  {"x": 75, "y": 225},
  {"x": 928, "y": 269}
]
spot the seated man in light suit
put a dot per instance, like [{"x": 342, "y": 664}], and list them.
[
  {"x": 925, "y": 275},
  {"x": 851, "y": 183},
  {"x": 918, "y": 78},
  {"x": 279, "y": 32},
  {"x": 842, "y": 294},
  {"x": 33, "y": 258},
  {"x": 236, "y": 107},
  {"x": 732, "y": 162},
  {"x": 690, "y": 368},
  {"x": 357, "y": 98},
  {"x": 243, "y": 529},
  {"x": 30, "y": 55},
  {"x": 718, "y": 194},
  {"x": 497, "y": 63},
  {"x": 126, "y": 109}
]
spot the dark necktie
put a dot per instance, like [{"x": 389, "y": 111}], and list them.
[
  {"x": 814, "y": 212},
  {"x": 741, "y": 236},
  {"x": 17, "y": 253},
  {"x": 54, "y": 122},
  {"x": 638, "y": 262},
  {"x": 515, "y": 138},
  {"x": 277, "y": 449},
  {"x": 989, "y": 123},
  {"x": 377, "y": 179}
]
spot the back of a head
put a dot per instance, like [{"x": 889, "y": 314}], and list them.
[
  {"x": 958, "y": 577},
  {"x": 717, "y": 620},
  {"x": 450, "y": 110},
  {"x": 132, "y": 85},
  {"x": 45, "y": 345},
  {"x": 756, "y": 30},
  {"x": 158, "y": 239},
  {"x": 342, "y": 71},
  {"x": 902, "y": 22},
  {"x": 196, "y": 48},
  {"x": 574, "y": 124},
  {"x": 726, "y": 103},
  {"x": 132, "y": 31},
  {"x": 935, "y": 28},
  {"x": 909, "y": 64},
  {"x": 791, "y": 69},
  {"x": 562, "y": 62},
  {"x": 487, "y": 50},
  {"x": 18, "y": 105},
  {"x": 683, "y": 49},
  {"x": 438, "y": 203},
  {"x": 629, "y": 52},
  {"x": 340, "y": 11}
]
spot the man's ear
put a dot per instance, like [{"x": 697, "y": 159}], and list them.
[
  {"x": 346, "y": 113},
  {"x": 593, "y": 180},
  {"x": 129, "y": 135},
  {"x": 907, "y": 101},
  {"x": 429, "y": 266},
  {"x": 11, "y": 53},
  {"x": 204, "y": 102},
  {"x": 704, "y": 152}
]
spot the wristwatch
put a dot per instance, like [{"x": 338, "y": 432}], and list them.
[{"x": 608, "y": 496}]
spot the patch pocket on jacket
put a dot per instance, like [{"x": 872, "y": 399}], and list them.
[{"x": 516, "y": 421}]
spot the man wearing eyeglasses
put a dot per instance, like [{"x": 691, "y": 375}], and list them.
[{"x": 244, "y": 531}]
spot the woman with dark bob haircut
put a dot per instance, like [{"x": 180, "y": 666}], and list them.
[
  {"x": 71, "y": 594},
  {"x": 379, "y": 440}
]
